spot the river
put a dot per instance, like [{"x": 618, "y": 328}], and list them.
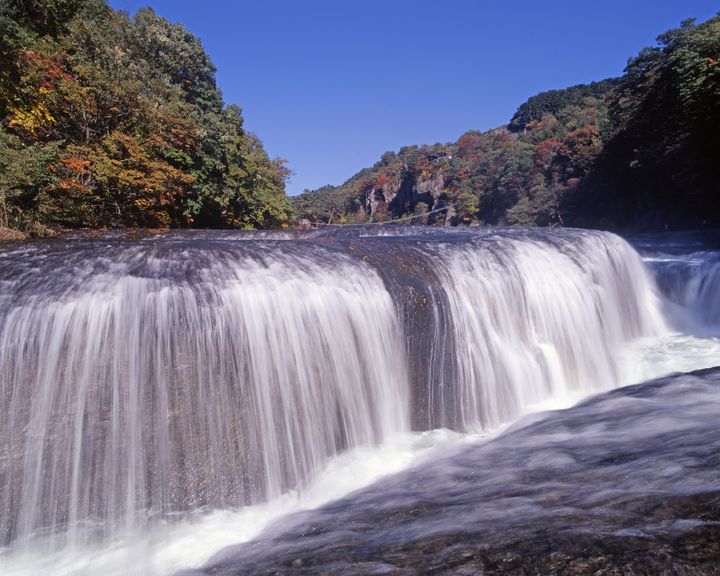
[{"x": 168, "y": 396}]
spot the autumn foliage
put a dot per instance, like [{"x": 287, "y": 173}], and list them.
[
  {"x": 107, "y": 120},
  {"x": 636, "y": 152}
]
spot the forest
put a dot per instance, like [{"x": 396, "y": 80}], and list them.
[
  {"x": 108, "y": 120},
  {"x": 639, "y": 152}
]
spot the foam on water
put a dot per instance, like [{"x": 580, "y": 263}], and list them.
[
  {"x": 168, "y": 397},
  {"x": 692, "y": 281},
  {"x": 154, "y": 383},
  {"x": 536, "y": 317},
  {"x": 190, "y": 542}
]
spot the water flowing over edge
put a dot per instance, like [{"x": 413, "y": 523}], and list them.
[{"x": 508, "y": 320}]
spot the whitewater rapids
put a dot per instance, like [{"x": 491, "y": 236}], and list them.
[{"x": 149, "y": 386}]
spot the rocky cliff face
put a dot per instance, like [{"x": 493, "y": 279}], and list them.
[{"x": 405, "y": 193}]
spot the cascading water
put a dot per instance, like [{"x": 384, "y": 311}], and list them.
[
  {"x": 686, "y": 267},
  {"x": 536, "y": 316},
  {"x": 142, "y": 380},
  {"x": 692, "y": 281}
]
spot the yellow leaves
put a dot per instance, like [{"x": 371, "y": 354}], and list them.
[
  {"x": 162, "y": 218},
  {"x": 143, "y": 203},
  {"x": 152, "y": 216},
  {"x": 32, "y": 120},
  {"x": 149, "y": 186},
  {"x": 37, "y": 95}
]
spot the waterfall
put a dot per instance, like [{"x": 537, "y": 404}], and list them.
[
  {"x": 198, "y": 371},
  {"x": 692, "y": 281},
  {"x": 533, "y": 316},
  {"x": 142, "y": 380}
]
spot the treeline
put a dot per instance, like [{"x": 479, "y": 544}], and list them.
[
  {"x": 107, "y": 120},
  {"x": 639, "y": 152}
]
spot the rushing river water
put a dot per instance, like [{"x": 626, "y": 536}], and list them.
[{"x": 165, "y": 397}]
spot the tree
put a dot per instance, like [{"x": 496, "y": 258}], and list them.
[{"x": 125, "y": 115}]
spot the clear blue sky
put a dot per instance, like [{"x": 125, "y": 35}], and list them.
[{"x": 330, "y": 85}]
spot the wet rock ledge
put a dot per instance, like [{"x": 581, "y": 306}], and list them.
[{"x": 627, "y": 482}]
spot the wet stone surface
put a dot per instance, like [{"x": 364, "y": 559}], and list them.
[{"x": 627, "y": 482}]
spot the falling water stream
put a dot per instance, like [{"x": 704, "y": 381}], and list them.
[{"x": 167, "y": 396}]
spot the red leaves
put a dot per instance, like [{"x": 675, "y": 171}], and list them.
[
  {"x": 546, "y": 151},
  {"x": 47, "y": 68},
  {"x": 381, "y": 180},
  {"x": 74, "y": 170},
  {"x": 582, "y": 146},
  {"x": 468, "y": 143}
]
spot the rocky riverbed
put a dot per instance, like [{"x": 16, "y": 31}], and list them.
[{"x": 626, "y": 482}]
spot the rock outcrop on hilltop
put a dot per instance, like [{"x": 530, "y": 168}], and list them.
[{"x": 631, "y": 153}]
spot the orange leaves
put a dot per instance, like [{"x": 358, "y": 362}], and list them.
[
  {"x": 582, "y": 141},
  {"x": 42, "y": 93},
  {"x": 468, "y": 143},
  {"x": 174, "y": 131},
  {"x": 126, "y": 167},
  {"x": 76, "y": 164},
  {"x": 585, "y": 133},
  {"x": 74, "y": 170},
  {"x": 128, "y": 128},
  {"x": 581, "y": 147},
  {"x": 545, "y": 151},
  {"x": 71, "y": 185},
  {"x": 43, "y": 66}
]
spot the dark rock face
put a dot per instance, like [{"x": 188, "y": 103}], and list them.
[
  {"x": 400, "y": 194},
  {"x": 625, "y": 483}
]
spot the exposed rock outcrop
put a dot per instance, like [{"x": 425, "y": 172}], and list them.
[{"x": 405, "y": 193}]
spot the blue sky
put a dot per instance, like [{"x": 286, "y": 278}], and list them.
[{"x": 330, "y": 85}]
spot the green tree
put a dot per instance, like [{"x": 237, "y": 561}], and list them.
[{"x": 126, "y": 117}]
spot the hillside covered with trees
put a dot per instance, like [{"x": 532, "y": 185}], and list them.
[
  {"x": 108, "y": 120},
  {"x": 637, "y": 152}
]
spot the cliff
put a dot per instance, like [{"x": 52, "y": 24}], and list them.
[{"x": 636, "y": 152}]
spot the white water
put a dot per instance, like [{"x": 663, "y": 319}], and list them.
[
  {"x": 136, "y": 397},
  {"x": 192, "y": 541},
  {"x": 210, "y": 381},
  {"x": 692, "y": 281},
  {"x": 531, "y": 321}
]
